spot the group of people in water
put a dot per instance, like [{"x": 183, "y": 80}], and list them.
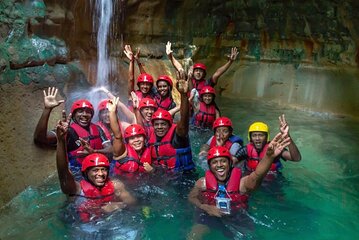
[{"x": 152, "y": 137}]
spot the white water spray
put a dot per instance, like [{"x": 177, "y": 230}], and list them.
[{"x": 104, "y": 9}]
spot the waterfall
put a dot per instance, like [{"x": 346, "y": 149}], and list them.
[{"x": 104, "y": 9}]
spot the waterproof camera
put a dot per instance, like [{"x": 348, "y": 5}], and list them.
[{"x": 224, "y": 204}]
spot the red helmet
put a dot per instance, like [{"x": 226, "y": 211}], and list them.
[
  {"x": 222, "y": 122},
  {"x": 82, "y": 103},
  {"x": 147, "y": 102},
  {"x": 218, "y": 151},
  {"x": 166, "y": 79},
  {"x": 143, "y": 78},
  {"x": 162, "y": 114},
  {"x": 200, "y": 66},
  {"x": 94, "y": 160},
  {"x": 207, "y": 89},
  {"x": 133, "y": 130},
  {"x": 102, "y": 105}
]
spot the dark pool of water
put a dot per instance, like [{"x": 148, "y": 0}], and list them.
[{"x": 316, "y": 198}]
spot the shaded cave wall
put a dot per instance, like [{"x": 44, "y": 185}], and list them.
[{"x": 299, "y": 53}]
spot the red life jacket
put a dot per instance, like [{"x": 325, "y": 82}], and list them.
[
  {"x": 228, "y": 144},
  {"x": 93, "y": 137},
  {"x": 165, "y": 155},
  {"x": 166, "y": 103},
  {"x": 132, "y": 163},
  {"x": 95, "y": 198},
  {"x": 108, "y": 131},
  {"x": 205, "y": 116},
  {"x": 232, "y": 186},
  {"x": 253, "y": 158},
  {"x": 198, "y": 84}
]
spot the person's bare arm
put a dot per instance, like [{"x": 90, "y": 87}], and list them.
[
  {"x": 174, "y": 110},
  {"x": 131, "y": 69},
  {"x": 43, "y": 137},
  {"x": 194, "y": 195},
  {"x": 124, "y": 195},
  {"x": 293, "y": 154},
  {"x": 141, "y": 66},
  {"x": 225, "y": 67},
  {"x": 276, "y": 146},
  {"x": 118, "y": 141},
  {"x": 182, "y": 87},
  {"x": 67, "y": 181},
  {"x": 173, "y": 60}
]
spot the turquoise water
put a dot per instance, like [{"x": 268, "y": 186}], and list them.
[{"x": 316, "y": 198}]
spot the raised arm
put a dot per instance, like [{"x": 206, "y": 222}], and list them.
[
  {"x": 118, "y": 141},
  {"x": 170, "y": 56},
  {"x": 141, "y": 67},
  {"x": 293, "y": 154},
  {"x": 131, "y": 69},
  {"x": 67, "y": 181},
  {"x": 276, "y": 146},
  {"x": 182, "y": 87},
  {"x": 43, "y": 137},
  {"x": 225, "y": 67}
]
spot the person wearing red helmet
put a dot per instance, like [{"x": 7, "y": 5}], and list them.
[
  {"x": 129, "y": 149},
  {"x": 144, "y": 112},
  {"x": 223, "y": 191},
  {"x": 104, "y": 119},
  {"x": 100, "y": 194},
  {"x": 199, "y": 71},
  {"x": 206, "y": 112},
  {"x": 83, "y": 136},
  {"x": 144, "y": 80},
  {"x": 163, "y": 97},
  {"x": 223, "y": 136},
  {"x": 169, "y": 142}
]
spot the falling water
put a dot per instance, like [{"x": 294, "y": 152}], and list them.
[{"x": 104, "y": 13}]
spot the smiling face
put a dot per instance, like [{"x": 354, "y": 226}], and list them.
[
  {"x": 145, "y": 87},
  {"x": 259, "y": 139},
  {"x": 198, "y": 73},
  {"x": 147, "y": 113},
  {"x": 97, "y": 176},
  {"x": 220, "y": 167},
  {"x": 161, "y": 127},
  {"x": 207, "y": 98},
  {"x": 163, "y": 88},
  {"x": 83, "y": 116},
  {"x": 137, "y": 142}
]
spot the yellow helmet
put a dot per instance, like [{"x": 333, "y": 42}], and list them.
[{"x": 258, "y": 127}]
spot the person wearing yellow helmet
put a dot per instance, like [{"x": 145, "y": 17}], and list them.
[{"x": 259, "y": 138}]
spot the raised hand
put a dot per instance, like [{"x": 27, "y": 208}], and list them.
[
  {"x": 135, "y": 100},
  {"x": 63, "y": 126},
  {"x": 276, "y": 146},
  {"x": 128, "y": 52},
  {"x": 137, "y": 55},
  {"x": 182, "y": 83},
  {"x": 283, "y": 125},
  {"x": 112, "y": 104},
  {"x": 87, "y": 149},
  {"x": 234, "y": 53},
  {"x": 168, "y": 48},
  {"x": 50, "y": 101}
]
